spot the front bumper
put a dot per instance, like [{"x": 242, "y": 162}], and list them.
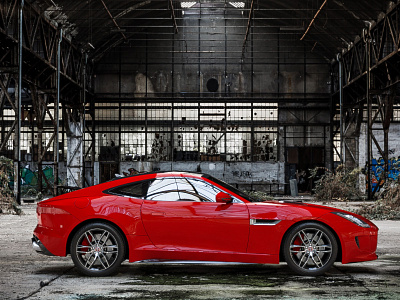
[{"x": 39, "y": 247}]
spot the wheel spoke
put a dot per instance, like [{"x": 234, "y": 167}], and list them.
[
  {"x": 302, "y": 239},
  {"x": 101, "y": 261},
  {"x": 114, "y": 249},
  {"x": 79, "y": 249},
  {"x": 320, "y": 233},
  {"x": 88, "y": 261},
  {"x": 91, "y": 240},
  {"x": 305, "y": 255},
  {"x": 105, "y": 260},
  {"x": 323, "y": 248},
  {"x": 105, "y": 234},
  {"x": 317, "y": 261},
  {"x": 297, "y": 249}
]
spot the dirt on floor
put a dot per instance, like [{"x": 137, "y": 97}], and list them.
[{"x": 28, "y": 275}]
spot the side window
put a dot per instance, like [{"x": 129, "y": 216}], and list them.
[
  {"x": 184, "y": 185},
  {"x": 136, "y": 190},
  {"x": 165, "y": 196},
  {"x": 204, "y": 189},
  {"x": 173, "y": 189},
  {"x": 208, "y": 190},
  {"x": 176, "y": 196},
  {"x": 184, "y": 196},
  {"x": 161, "y": 185}
]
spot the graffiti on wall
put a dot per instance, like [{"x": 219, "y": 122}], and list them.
[{"x": 378, "y": 169}]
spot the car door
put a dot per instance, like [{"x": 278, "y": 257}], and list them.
[{"x": 176, "y": 216}]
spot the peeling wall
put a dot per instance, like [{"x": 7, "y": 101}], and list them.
[{"x": 261, "y": 176}]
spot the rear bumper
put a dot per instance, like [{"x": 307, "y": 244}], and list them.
[{"x": 39, "y": 247}]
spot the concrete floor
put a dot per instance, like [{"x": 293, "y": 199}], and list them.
[{"x": 27, "y": 275}]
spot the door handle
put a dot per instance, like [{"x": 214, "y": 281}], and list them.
[{"x": 158, "y": 214}]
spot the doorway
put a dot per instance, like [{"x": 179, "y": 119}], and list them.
[{"x": 299, "y": 162}]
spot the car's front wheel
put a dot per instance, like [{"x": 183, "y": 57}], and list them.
[
  {"x": 97, "y": 249},
  {"x": 310, "y": 249}
]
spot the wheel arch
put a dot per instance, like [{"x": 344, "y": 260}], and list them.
[
  {"x": 339, "y": 255},
  {"x": 97, "y": 220}
]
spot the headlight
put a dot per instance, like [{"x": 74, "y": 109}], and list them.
[{"x": 353, "y": 219}]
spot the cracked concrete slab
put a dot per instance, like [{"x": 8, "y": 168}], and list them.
[{"x": 27, "y": 275}]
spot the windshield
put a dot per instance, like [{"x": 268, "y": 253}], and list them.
[{"x": 231, "y": 188}]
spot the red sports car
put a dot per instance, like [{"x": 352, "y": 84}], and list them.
[{"x": 195, "y": 217}]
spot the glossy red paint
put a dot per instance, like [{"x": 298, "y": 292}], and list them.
[
  {"x": 189, "y": 226},
  {"x": 223, "y": 198},
  {"x": 347, "y": 233},
  {"x": 238, "y": 231}
]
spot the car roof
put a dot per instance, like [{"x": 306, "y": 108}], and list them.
[{"x": 164, "y": 174}]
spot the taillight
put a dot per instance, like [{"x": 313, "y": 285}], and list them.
[{"x": 50, "y": 210}]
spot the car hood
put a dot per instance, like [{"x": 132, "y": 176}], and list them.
[{"x": 286, "y": 210}]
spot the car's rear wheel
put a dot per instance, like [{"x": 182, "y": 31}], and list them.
[
  {"x": 310, "y": 249},
  {"x": 97, "y": 249}
]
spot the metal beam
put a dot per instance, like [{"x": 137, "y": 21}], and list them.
[
  {"x": 171, "y": 7},
  {"x": 113, "y": 20},
  {"x": 312, "y": 21},
  {"x": 248, "y": 28}
]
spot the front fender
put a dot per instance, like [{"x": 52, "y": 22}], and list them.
[{"x": 358, "y": 243}]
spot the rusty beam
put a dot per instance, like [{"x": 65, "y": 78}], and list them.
[
  {"x": 113, "y": 20},
  {"x": 171, "y": 6},
  {"x": 248, "y": 28},
  {"x": 312, "y": 21}
]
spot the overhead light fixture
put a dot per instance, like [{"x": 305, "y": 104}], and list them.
[
  {"x": 188, "y": 4},
  {"x": 237, "y": 4}
]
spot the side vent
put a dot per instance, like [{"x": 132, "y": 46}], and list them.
[
  {"x": 357, "y": 242},
  {"x": 264, "y": 222}
]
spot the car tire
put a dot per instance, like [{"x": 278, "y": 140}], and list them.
[
  {"x": 310, "y": 249},
  {"x": 97, "y": 249}
]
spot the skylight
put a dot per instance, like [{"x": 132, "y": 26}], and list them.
[
  {"x": 188, "y": 4},
  {"x": 237, "y": 4}
]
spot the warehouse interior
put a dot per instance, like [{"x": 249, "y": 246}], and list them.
[{"x": 255, "y": 92}]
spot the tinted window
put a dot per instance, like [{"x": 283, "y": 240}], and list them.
[{"x": 137, "y": 189}]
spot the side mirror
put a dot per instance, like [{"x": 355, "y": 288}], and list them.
[{"x": 223, "y": 198}]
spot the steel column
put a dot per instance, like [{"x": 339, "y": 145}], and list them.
[
  {"x": 342, "y": 148},
  {"x": 57, "y": 115},
  {"x": 17, "y": 138}
]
